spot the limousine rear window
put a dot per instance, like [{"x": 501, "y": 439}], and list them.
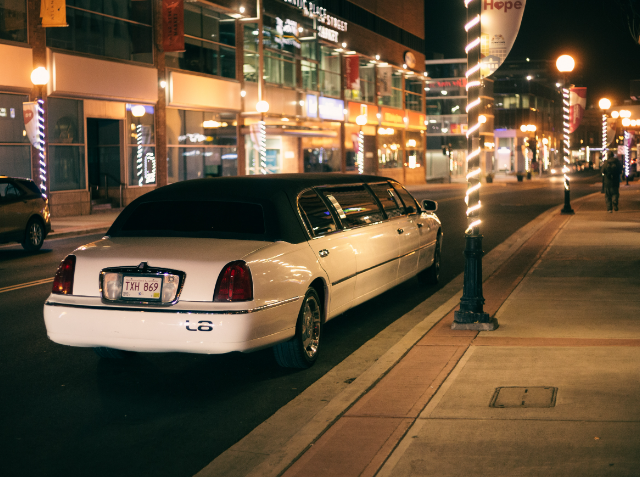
[
  {"x": 356, "y": 203},
  {"x": 315, "y": 214},
  {"x": 190, "y": 218}
]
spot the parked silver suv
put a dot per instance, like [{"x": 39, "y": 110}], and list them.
[{"x": 24, "y": 213}]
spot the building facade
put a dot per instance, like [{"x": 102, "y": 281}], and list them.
[
  {"x": 446, "y": 102},
  {"x": 123, "y": 116}
]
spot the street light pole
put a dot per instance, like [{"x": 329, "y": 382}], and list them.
[
  {"x": 471, "y": 315},
  {"x": 565, "y": 64}
]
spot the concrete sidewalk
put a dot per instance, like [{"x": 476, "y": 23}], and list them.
[{"x": 561, "y": 371}]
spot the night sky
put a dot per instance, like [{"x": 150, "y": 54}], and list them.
[{"x": 594, "y": 32}]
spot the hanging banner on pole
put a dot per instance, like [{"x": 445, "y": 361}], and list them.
[
  {"x": 577, "y": 105},
  {"x": 172, "y": 25},
  {"x": 384, "y": 80},
  {"x": 53, "y": 13},
  {"x": 500, "y": 23},
  {"x": 30, "y": 113},
  {"x": 352, "y": 69}
]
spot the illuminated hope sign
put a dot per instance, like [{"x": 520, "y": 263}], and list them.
[{"x": 311, "y": 9}]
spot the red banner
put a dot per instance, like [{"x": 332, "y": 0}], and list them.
[
  {"x": 577, "y": 105},
  {"x": 172, "y": 25},
  {"x": 352, "y": 69}
]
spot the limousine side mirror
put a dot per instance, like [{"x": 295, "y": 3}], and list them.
[{"x": 429, "y": 205}]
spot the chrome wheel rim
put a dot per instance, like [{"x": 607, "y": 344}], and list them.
[
  {"x": 35, "y": 234},
  {"x": 310, "y": 331}
]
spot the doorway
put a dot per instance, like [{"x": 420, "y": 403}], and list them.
[{"x": 103, "y": 159}]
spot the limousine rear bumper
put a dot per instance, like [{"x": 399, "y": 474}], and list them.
[{"x": 163, "y": 330}]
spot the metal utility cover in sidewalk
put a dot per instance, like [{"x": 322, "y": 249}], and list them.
[{"x": 535, "y": 396}]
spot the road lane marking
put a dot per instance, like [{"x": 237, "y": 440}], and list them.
[{"x": 26, "y": 285}]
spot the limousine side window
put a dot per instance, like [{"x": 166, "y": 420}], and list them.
[
  {"x": 388, "y": 199},
  {"x": 409, "y": 201},
  {"x": 315, "y": 214},
  {"x": 354, "y": 204}
]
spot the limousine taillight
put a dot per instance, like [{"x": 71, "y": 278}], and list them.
[
  {"x": 234, "y": 283},
  {"x": 63, "y": 281}
]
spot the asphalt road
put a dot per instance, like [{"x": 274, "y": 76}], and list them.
[{"x": 64, "y": 411}]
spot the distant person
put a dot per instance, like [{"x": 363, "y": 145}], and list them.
[{"x": 611, "y": 171}]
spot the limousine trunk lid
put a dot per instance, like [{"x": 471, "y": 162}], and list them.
[{"x": 201, "y": 259}]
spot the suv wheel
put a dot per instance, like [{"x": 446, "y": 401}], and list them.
[{"x": 34, "y": 235}]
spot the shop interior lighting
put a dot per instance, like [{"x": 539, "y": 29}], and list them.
[
  {"x": 243, "y": 93},
  {"x": 615, "y": 114},
  {"x": 626, "y": 122},
  {"x": 377, "y": 57},
  {"x": 344, "y": 45},
  {"x": 137, "y": 111},
  {"x": 163, "y": 84}
]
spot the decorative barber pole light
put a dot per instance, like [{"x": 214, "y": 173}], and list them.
[
  {"x": 35, "y": 112},
  {"x": 471, "y": 314},
  {"x": 565, "y": 64},
  {"x": 626, "y": 155},
  {"x": 262, "y": 107},
  {"x": 42, "y": 154},
  {"x": 604, "y": 104},
  {"x": 360, "y": 121}
]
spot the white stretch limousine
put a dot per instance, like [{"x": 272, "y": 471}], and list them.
[{"x": 242, "y": 263}]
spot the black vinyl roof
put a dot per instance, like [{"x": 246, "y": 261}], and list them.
[{"x": 276, "y": 193}]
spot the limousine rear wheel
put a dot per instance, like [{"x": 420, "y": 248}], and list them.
[
  {"x": 431, "y": 276},
  {"x": 301, "y": 351}
]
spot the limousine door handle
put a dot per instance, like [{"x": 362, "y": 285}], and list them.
[
  {"x": 324, "y": 252},
  {"x": 400, "y": 231}
]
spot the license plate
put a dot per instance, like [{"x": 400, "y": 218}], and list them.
[{"x": 147, "y": 288}]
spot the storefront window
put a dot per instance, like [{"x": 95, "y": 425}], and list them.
[
  {"x": 309, "y": 65},
  {"x": 413, "y": 93},
  {"x": 448, "y": 87},
  {"x": 118, "y": 29},
  {"x": 141, "y": 145},
  {"x": 390, "y": 150},
  {"x": 15, "y": 153},
  {"x": 395, "y": 99},
  {"x": 251, "y": 56},
  {"x": 209, "y": 40},
  {"x": 414, "y": 143},
  {"x": 13, "y": 20},
  {"x": 367, "y": 90},
  {"x": 329, "y": 72},
  {"x": 321, "y": 154},
  {"x": 436, "y": 107},
  {"x": 66, "y": 144},
  {"x": 200, "y": 144},
  {"x": 279, "y": 69}
]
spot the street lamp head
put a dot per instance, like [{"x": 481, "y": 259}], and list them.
[
  {"x": 262, "y": 106},
  {"x": 615, "y": 114},
  {"x": 361, "y": 120},
  {"x": 482, "y": 119},
  {"x": 565, "y": 64},
  {"x": 40, "y": 76},
  {"x": 604, "y": 103}
]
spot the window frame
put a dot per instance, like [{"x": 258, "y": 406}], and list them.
[
  {"x": 312, "y": 235},
  {"x": 320, "y": 189}
]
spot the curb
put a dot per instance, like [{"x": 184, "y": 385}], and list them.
[{"x": 74, "y": 233}]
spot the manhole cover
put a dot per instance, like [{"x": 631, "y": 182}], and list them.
[{"x": 512, "y": 396}]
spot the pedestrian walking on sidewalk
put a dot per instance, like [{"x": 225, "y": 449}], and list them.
[{"x": 611, "y": 171}]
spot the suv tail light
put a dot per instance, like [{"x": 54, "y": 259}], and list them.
[
  {"x": 234, "y": 283},
  {"x": 63, "y": 281}
]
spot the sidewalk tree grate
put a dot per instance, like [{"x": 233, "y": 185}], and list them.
[{"x": 521, "y": 396}]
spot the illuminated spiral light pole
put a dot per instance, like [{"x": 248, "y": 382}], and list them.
[
  {"x": 360, "y": 121},
  {"x": 471, "y": 315},
  {"x": 626, "y": 122},
  {"x": 40, "y": 77},
  {"x": 137, "y": 112},
  {"x": 565, "y": 64},
  {"x": 262, "y": 107},
  {"x": 604, "y": 104}
]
